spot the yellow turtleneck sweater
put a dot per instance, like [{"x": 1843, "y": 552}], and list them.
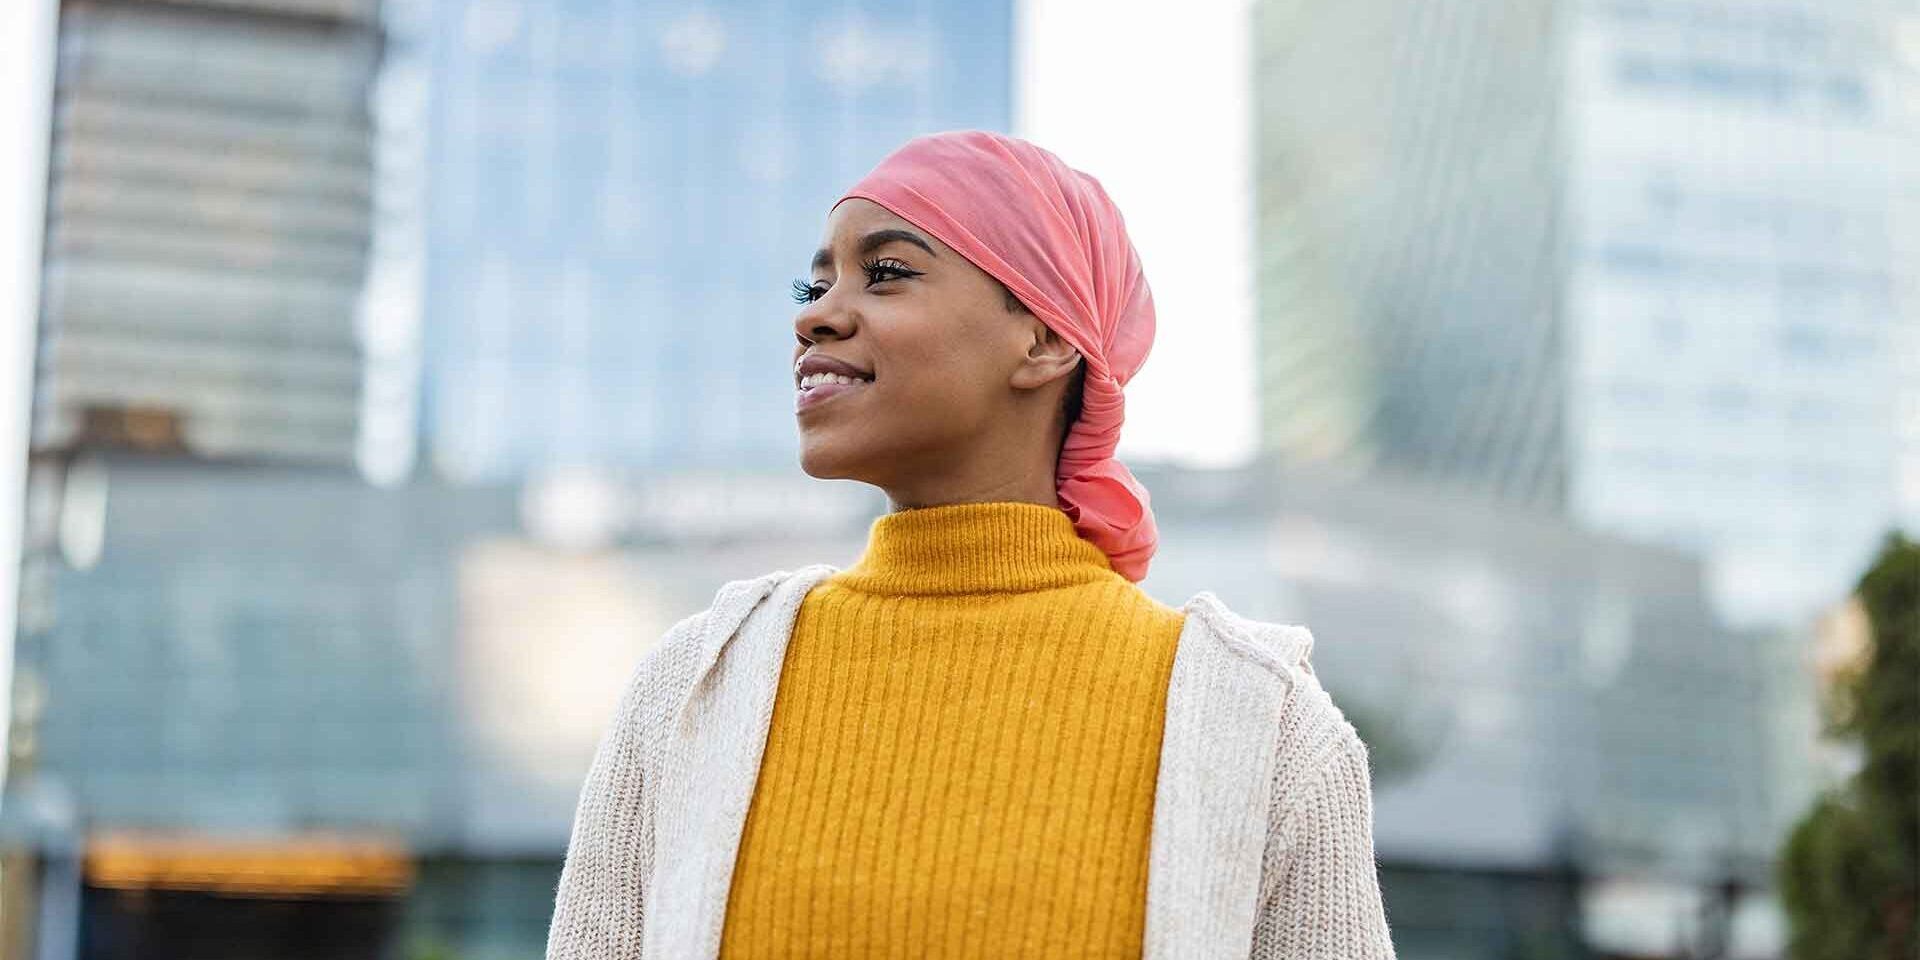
[{"x": 963, "y": 751}]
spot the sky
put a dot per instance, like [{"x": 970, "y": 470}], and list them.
[
  {"x": 26, "y": 65},
  {"x": 1157, "y": 107}
]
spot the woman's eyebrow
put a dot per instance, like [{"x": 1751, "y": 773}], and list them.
[{"x": 823, "y": 258}]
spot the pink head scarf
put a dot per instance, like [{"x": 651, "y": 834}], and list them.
[{"x": 1050, "y": 233}]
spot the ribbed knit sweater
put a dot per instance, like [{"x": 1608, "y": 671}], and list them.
[{"x": 963, "y": 750}]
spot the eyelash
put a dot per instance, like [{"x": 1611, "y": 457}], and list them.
[{"x": 804, "y": 292}]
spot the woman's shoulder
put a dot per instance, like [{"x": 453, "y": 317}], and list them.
[
  {"x": 736, "y": 600},
  {"x": 661, "y": 679},
  {"x": 1286, "y": 649},
  {"x": 1313, "y": 732}
]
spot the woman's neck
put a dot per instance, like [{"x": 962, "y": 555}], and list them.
[{"x": 993, "y": 546}]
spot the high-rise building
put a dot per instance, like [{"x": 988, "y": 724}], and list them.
[
  {"x": 1638, "y": 261},
  {"x": 208, "y": 226},
  {"x": 1408, "y": 221},
  {"x": 622, "y": 193}
]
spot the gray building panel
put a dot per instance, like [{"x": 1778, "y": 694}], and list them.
[{"x": 1531, "y": 692}]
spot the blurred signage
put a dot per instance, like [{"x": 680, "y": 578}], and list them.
[
  {"x": 584, "y": 509},
  {"x": 293, "y": 866}
]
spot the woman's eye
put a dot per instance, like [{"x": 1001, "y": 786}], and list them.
[
  {"x": 804, "y": 292},
  {"x": 880, "y": 270},
  {"x": 877, "y": 271}
]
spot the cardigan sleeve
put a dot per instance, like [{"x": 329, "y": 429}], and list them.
[
  {"x": 1324, "y": 900},
  {"x": 599, "y": 910}
]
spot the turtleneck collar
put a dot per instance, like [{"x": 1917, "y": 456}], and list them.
[{"x": 1001, "y": 546}]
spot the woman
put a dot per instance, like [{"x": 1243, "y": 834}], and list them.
[{"x": 982, "y": 739}]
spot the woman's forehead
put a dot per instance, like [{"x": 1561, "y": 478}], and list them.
[
  {"x": 858, "y": 227},
  {"x": 856, "y": 217}
]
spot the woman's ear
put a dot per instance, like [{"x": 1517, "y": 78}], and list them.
[{"x": 1049, "y": 358}]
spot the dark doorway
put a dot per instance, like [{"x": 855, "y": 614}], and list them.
[{"x": 148, "y": 924}]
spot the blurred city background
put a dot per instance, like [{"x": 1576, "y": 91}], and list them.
[{"x": 383, "y": 377}]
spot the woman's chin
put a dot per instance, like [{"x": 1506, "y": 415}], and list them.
[{"x": 821, "y": 462}]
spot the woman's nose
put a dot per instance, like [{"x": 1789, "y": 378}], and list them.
[{"x": 822, "y": 318}]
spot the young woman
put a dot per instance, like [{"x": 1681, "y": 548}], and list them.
[{"x": 982, "y": 739}]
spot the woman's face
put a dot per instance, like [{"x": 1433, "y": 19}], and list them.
[{"x": 951, "y": 376}]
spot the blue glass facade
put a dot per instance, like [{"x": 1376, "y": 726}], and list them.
[{"x": 620, "y": 193}]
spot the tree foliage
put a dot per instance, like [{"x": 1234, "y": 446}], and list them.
[{"x": 1850, "y": 872}]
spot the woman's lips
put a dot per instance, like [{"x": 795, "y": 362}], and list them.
[{"x": 813, "y": 396}]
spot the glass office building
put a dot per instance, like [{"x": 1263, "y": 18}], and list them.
[
  {"x": 621, "y": 193},
  {"x": 1735, "y": 188},
  {"x": 1641, "y": 265},
  {"x": 1408, "y": 223},
  {"x": 1633, "y": 260},
  {"x": 209, "y": 212}
]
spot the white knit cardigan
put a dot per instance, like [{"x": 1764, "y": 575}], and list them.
[{"x": 1262, "y": 837}]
